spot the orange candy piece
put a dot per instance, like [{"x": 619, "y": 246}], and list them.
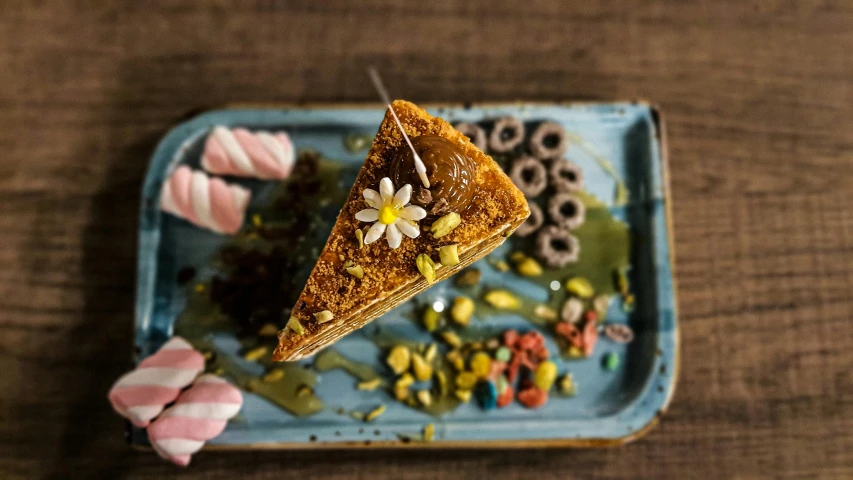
[{"x": 532, "y": 397}]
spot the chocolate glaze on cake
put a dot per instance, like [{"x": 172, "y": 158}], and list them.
[{"x": 450, "y": 171}]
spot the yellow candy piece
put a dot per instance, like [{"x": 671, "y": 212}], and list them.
[
  {"x": 545, "y": 375},
  {"x": 580, "y": 287},
  {"x": 502, "y": 299},
  {"x": 481, "y": 364},
  {"x": 466, "y": 380}
]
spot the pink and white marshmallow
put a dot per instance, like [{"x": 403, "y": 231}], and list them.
[
  {"x": 204, "y": 201},
  {"x": 141, "y": 394},
  {"x": 239, "y": 152},
  {"x": 199, "y": 414}
]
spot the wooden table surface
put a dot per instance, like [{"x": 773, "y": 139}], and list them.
[{"x": 759, "y": 104}]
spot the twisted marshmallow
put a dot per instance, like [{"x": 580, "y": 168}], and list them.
[
  {"x": 141, "y": 394},
  {"x": 242, "y": 153},
  {"x": 200, "y": 414},
  {"x": 204, "y": 201}
]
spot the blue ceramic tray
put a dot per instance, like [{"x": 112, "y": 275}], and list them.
[{"x": 610, "y": 408}]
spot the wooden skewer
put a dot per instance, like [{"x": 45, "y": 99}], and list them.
[{"x": 419, "y": 164}]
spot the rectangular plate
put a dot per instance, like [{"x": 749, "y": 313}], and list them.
[{"x": 610, "y": 408}]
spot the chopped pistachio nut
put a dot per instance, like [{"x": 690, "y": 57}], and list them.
[
  {"x": 356, "y": 271},
  {"x": 464, "y": 396},
  {"x": 255, "y": 354},
  {"x": 268, "y": 330},
  {"x": 481, "y": 364},
  {"x": 424, "y": 397},
  {"x": 257, "y": 220},
  {"x": 474, "y": 346},
  {"x": 545, "y": 312},
  {"x": 399, "y": 359},
  {"x": 431, "y": 319},
  {"x": 426, "y": 266},
  {"x": 517, "y": 257},
  {"x": 468, "y": 278},
  {"x": 341, "y": 257},
  {"x": 207, "y": 354},
  {"x": 441, "y": 380},
  {"x": 304, "y": 391},
  {"x": 529, "y": 268},
  {"x": 580, "y": 287},
  {"x": 455, "y": 358},
  {"x": 219, "y": 371},
  {"x": 348, "y": 264},
  {"x": 502, "y": 299},
  {"x": 449, "y": 255},
  {"x": 566, "y": 384},
  {"x": 429, "y": 432},
  {"x": 324, "y": 316},
  {"x": 273, "y": 375},
  {"x": 502, "y": 266},
  {"x": 359, "y": 235},
  {"x": 466, "y": 380},
  {"x": 420, "y": 368},
  {"x": 401, "y": 393},
  {"x": 452, "y": 339},
  {"x": 356, "y": 415},
  {"x": 200, "y": 288},
  {"x": 430, "y": 352},
  {"x": 445, "y": 224},
  {"x": 294, "y": 325},
  {"x": 370, "y": 385},
  {"x": 462, "y": 310},
  {"x": 373, "y": 414},
  {"x": 405, "y": 380}
]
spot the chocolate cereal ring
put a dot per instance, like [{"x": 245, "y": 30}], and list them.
[
  {"x": 533, "y": 222},
  {"x": 556, "y": 247},
  {"x": 566, "y": 176},
  {"x": 566, "y": 210},
  {"x": 473, "y": 132},
  {"x": 548, "y": 141},
  {"x": 529, "y": 175},
  {"x": 507, "y": 134}
]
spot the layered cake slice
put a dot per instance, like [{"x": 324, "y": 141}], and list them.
[{"x": 395, "y": 237}]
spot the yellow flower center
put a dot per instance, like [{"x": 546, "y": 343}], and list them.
[{"x": 388, "y": 214}]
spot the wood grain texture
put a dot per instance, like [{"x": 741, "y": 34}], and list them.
[{"x": 759, "y": 101}]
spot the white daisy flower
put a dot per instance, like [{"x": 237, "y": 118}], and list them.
[{"x": 392, "y": 213}]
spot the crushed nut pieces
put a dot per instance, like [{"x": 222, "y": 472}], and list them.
[
  {"x": 426, "y": 266},
  {"x": 449, "y": 255},
  {"x": 445, "y": 224}
]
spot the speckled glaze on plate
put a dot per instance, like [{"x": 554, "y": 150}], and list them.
[{"x": 611, "y": 407}]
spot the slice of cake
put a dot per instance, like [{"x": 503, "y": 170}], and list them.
[{"x": 394, "y": 237}]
